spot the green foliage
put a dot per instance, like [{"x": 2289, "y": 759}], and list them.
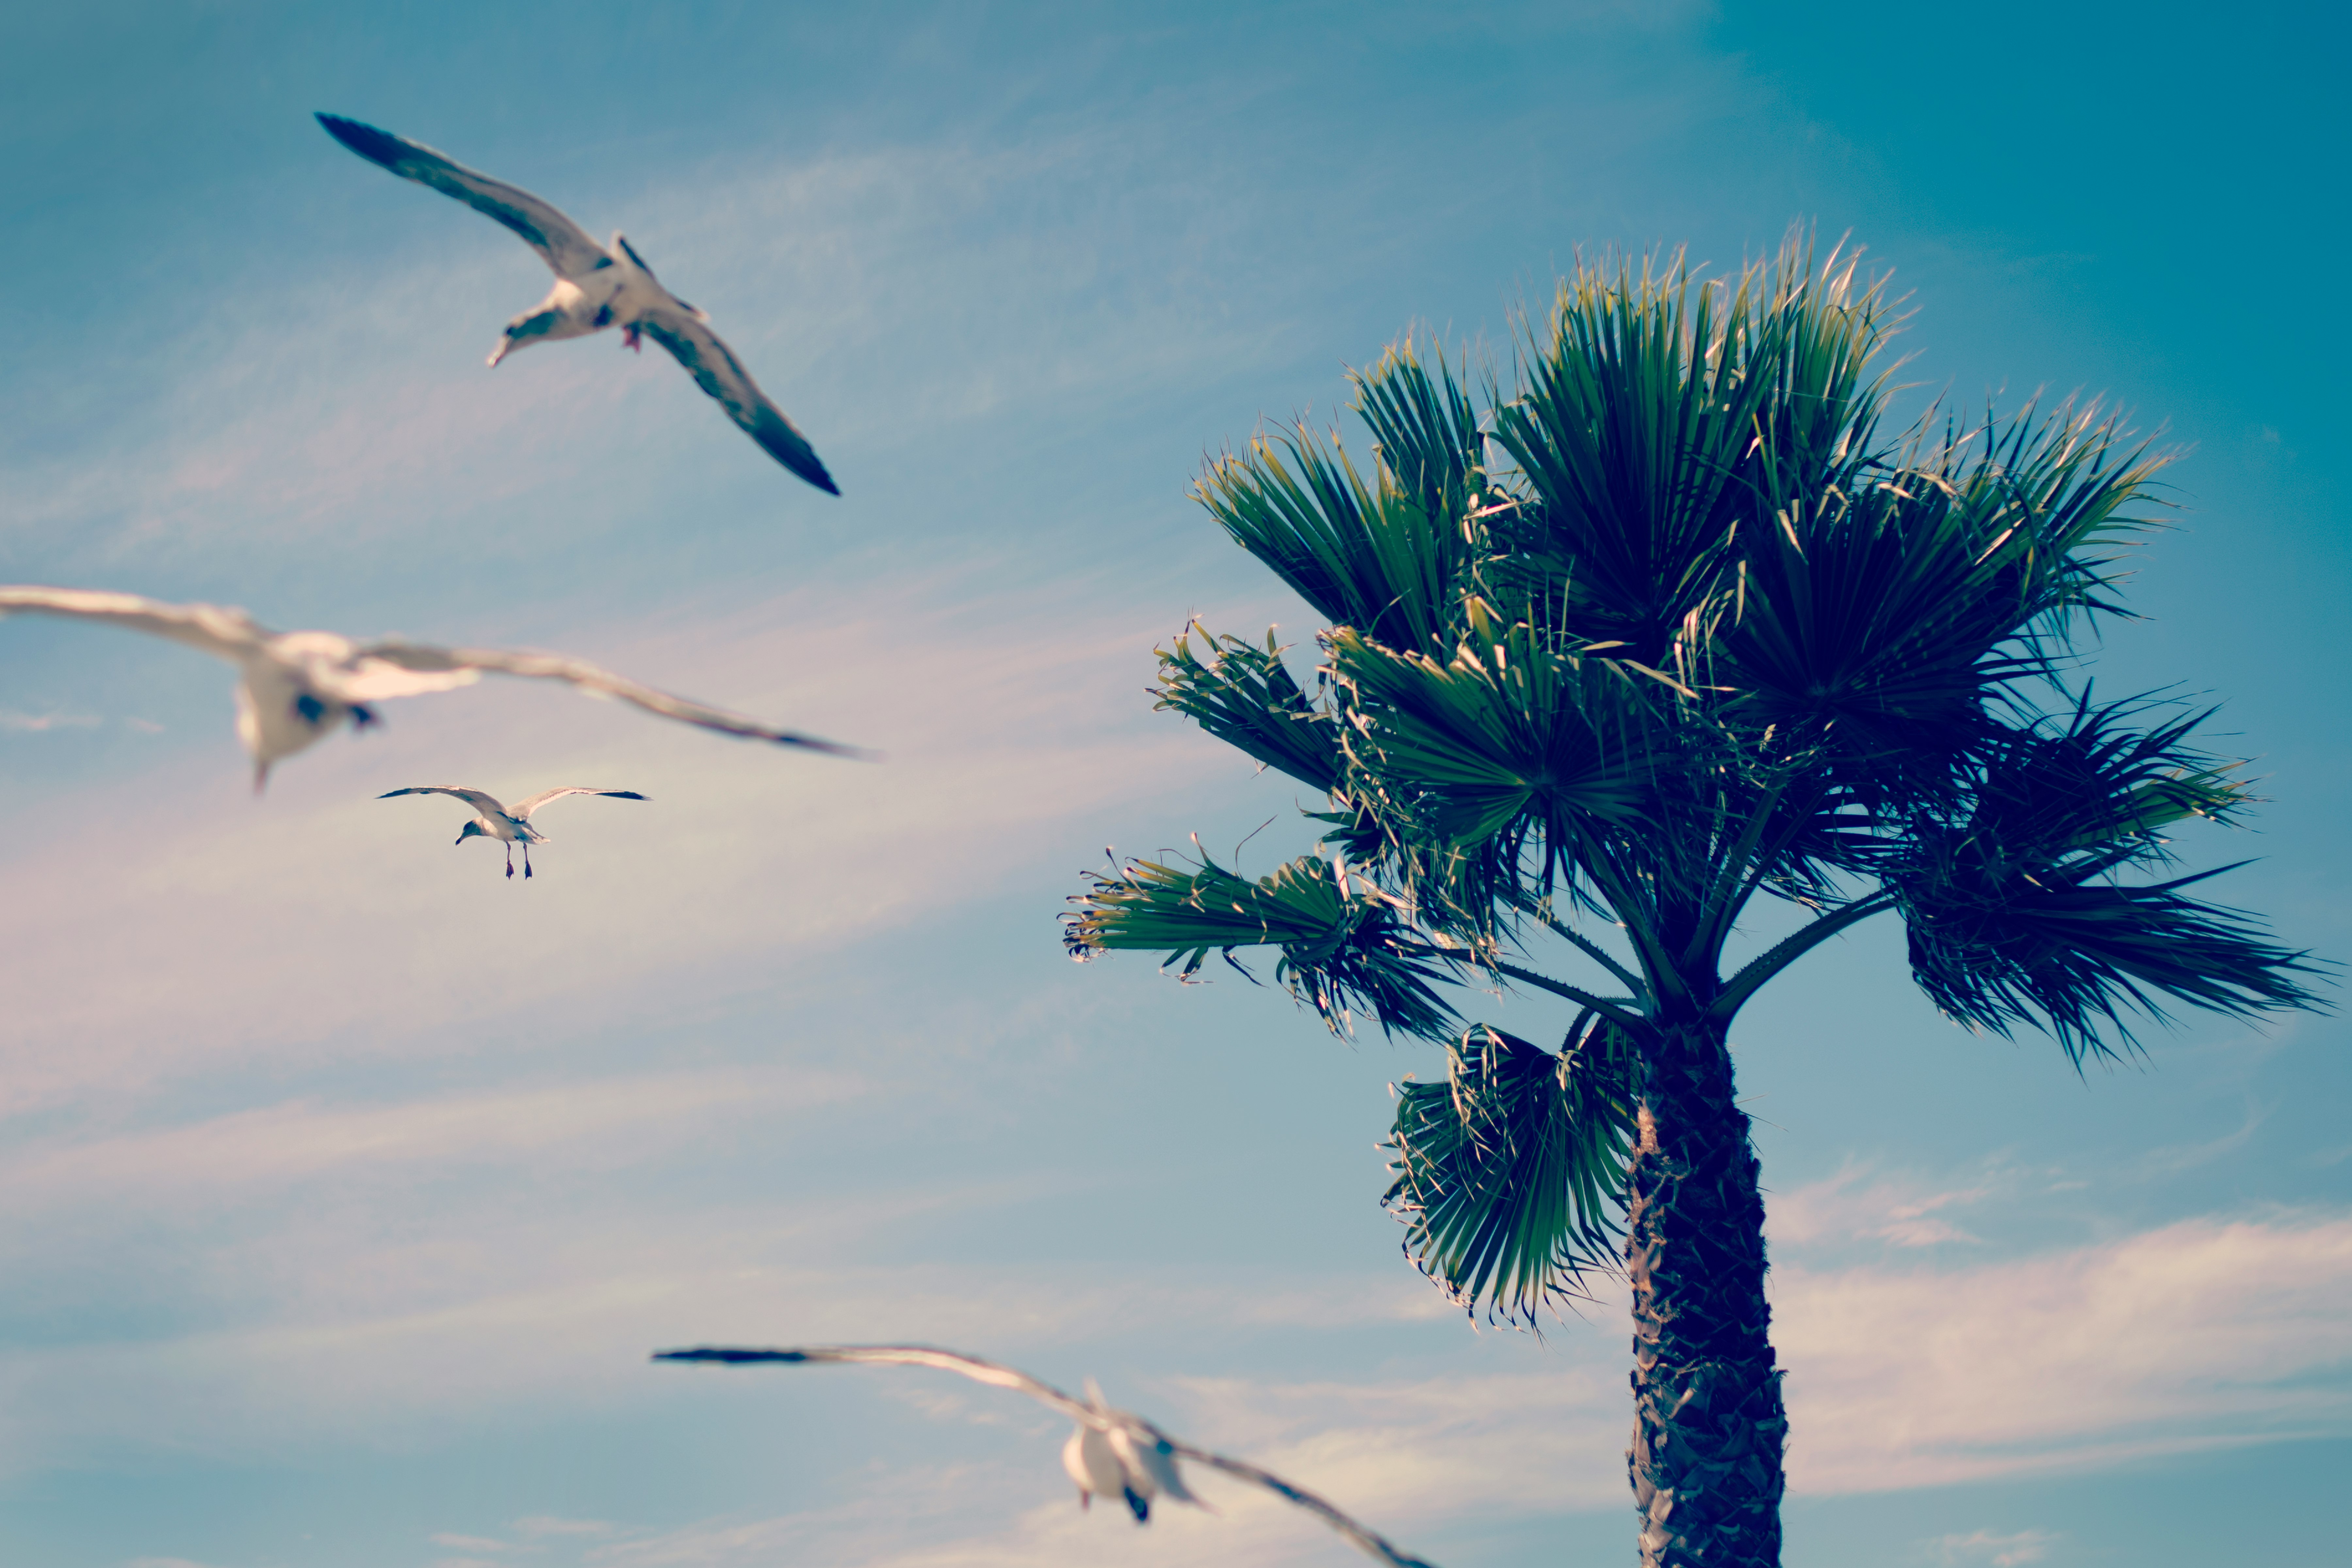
[
  {"x": 1508, "y": 1173},
  {"x": 1247, "y": 698},
  {"x": 1344, "y": 947},
  {"x": 1663, "y": 626},
  {"x": 2014, "y": 911}
]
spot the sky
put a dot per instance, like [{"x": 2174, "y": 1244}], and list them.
[{"x": 347, "y": 1184}]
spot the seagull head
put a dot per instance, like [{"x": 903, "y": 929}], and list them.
[
  {"x": 556, "y": 316},
  {"x": 471, "y": 830}
]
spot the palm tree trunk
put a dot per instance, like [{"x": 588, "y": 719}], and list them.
[{"x": 1708, "y": 1425}]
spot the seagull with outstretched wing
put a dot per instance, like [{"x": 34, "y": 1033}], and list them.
[
  {"x": 1111, "y": 1452},
  {"x": 295, "y": 687},
  {"x": 594, "y": 289},
  {"x": 509, "y": 824}
]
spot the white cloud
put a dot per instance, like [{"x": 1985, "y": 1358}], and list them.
[
  {"x": 16, "y": 723},
  {"x": 542, "y": 1524},
  {"x": 1984, "y": 1547},
  {"x": 2200, "y": 1334}
]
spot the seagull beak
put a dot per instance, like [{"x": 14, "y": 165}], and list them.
[{"x": 499, "y": 352}]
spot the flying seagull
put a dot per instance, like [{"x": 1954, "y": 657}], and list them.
[
  {"x": 510, "y": 826},
  {"x": 295, "y": 687},
  {"x": 594, "y": 289},
  {"x": 1144, "y": 1456}
]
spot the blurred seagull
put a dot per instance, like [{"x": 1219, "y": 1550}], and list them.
[
  {"x": 509, "y": 826},
  {"x": 295, "y": 687},
  {"x": 594, "y": 289},
  {"x": 1143, "y": 1458},
  {"x": 1089, "y": 1459}
]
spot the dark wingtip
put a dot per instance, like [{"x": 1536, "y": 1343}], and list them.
[
  {"x": 375, "y": 146},
  {"x": 729, "y": 1357}
]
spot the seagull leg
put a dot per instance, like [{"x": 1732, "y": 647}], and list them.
[
  {"x": 510, "y": 861},
  {"x": 634, "y": 337},
  {"x": 526, "y": 862}
]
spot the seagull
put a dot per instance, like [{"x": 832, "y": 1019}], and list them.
[
  {"x": 510, "y": 827},
  {"x": 1089, "y": 1459},
  {"x": 594, "y": 289},
  {"x": 1143, "y": 1456},
  {"x": 295, "y": 687}
]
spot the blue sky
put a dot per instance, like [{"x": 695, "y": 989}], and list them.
[{"x": 347, "y": 1183}]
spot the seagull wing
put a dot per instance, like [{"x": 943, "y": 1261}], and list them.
[
  {"x": 523, "y": 808},
  {"x": 216, "y": 629},
  {"x": 988, "y": 1372},
  {"x": 563, "y": 245},
  {"x": 487, "y": 804},
  {"x": 596, "y": 682},
  {"x": 718, "y": 371}
]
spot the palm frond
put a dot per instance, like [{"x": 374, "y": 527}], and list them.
[
  {"x": 2014, "y": 912},
  {"x": 1651, "y": 403},
  {"x": 1425, "y": 428},
  {"x": 1345, "y": 947},
  {"x": 1247, "y": 698},
  {"x": 1504, "y": 728},
  {"x": 1511, "y": 1172},
  {"x": 1366, "y": 553}
]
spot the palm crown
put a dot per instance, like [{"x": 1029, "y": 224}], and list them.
[{"x": 1669, "y": 626}]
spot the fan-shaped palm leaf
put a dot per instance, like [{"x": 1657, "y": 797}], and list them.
[{"x": 1510, "y": 1173}]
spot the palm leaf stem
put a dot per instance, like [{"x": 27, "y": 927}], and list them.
[
  {"x": 1586, "y": 945},
  {"x": 1757, "y": 972},
  {"x": 1741, "y": 868},
  {"x": 1611, "y": 1009}
]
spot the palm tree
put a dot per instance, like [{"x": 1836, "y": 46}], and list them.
[{"x": 1669, "y": 628}]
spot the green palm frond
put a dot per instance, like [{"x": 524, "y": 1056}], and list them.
[
  {"x": 2014, "y": 913},
  {"x": 1366, "y": 555},
  {"x": 1425, "y": 429},
  {"x": 1507, "y": 728},
  {"x": 1247, "y": 698},
  {"x": 1345, "y": 947},
  {"x": 1510, "y": 1175},
  {"x": 1652, "y": 405}
]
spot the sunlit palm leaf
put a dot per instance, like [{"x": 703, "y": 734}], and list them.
[
  {"x": 1505, "y": 728},
  {"x": 1365, "y": 554},
  {"x": 1247, "y": 698},
  {"x": 1426, "y": 429},
  {"x": 1652, "y": 403},
  {"x": 1344, "y": 948},
  {"x": 1511, "y": 1172}
]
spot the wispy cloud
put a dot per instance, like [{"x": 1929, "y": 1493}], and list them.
[
  {"x": 1990, "y": 1550},
  {"x": 2204, "y": 1333},
  {"x": 14, "y": 722}
]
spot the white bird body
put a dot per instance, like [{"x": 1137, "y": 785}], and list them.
[
  {"x": 509, "y": 825},
  {"x": 595, "y": 288},
  {"x": 1088, "y": 1459},
  {"x": 294, "y": 688}
]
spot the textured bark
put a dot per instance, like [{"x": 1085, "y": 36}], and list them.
[{"x": 1708, "y": 1428}]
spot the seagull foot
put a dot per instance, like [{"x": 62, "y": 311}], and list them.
[{"x": 634, "y": 337}]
